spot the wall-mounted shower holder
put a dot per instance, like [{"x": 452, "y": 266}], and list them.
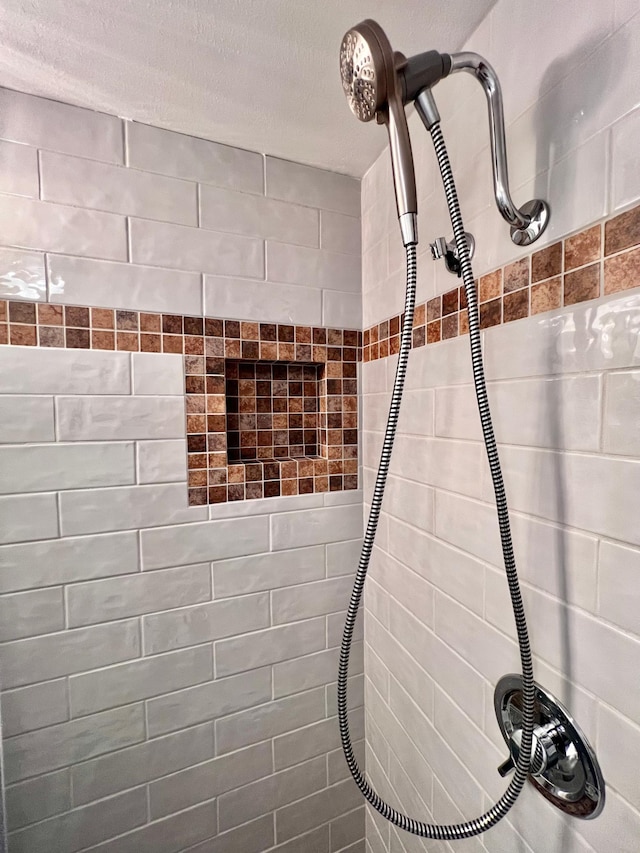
[
  {"x": 441, "y": 249},
  {"x": 564, "y": 767}
]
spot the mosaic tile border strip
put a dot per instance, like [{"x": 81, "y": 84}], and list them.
[
  {"x": 598, "y": 261},
  {"x": 336, "y": 352},
  {"x": 208, "y": 345}
]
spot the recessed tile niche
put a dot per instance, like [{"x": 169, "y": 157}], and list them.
[{"x": 272, "y": 410}]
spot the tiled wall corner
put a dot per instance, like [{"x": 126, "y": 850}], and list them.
[
  {"x": 559, "y": 331},
  {"x": 168, "y": 671}
]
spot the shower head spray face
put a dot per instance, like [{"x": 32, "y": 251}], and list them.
[{"x": 377, "y": 83}]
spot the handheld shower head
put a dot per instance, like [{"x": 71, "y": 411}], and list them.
[{"x": 377, "y": 82}]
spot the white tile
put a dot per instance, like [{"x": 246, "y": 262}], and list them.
[
  {"x": 24, "y": 518},
  {"x": 567, "y": 42},
  {"x": 86, "y": 183},
  {"x": 339, "y": 233},
  {"x": 180, "y": 247},
  {"x": 593, "y": 493},
  {"x": 314, "y": 187},
  {"x": 341, "y": 310},
  {"x": 625, "y": 160},
  {"x": 257, "y": 216},
  {"x": 618, "y": 764},
  {"x": 60, "y": 127},
  {"x": 557, "y": 342},
  {"x": 416, "y": 414},
  {"x": 157, "y": 374},
  {"x": 25, "y": 419},
  {"x": 125, "y": 508},
  {"x": 374, "y": 265},
  {"x": 315, "y": 526},
  {"x": 255, "y": 573},
  {"x": 264, "y": 506},
  {"x": 44, "y": 467},
  {"x": 60, "y": 561},
  {"x": 22, "y": 275},
  {"x": 561, "y": 413},
  {"x": 618, "y": 589},
  {"x": 59, "y": 228},
  {"x": 313, "y": 267},
  {"x": 576, "y": 188},
  {"x": 18, "y": 169},
  {"x": 109, "y": 418},
  {"x": 411, "y": 502},
  {"x": 162, "y": 461},
  {"x": 622, "y": 413},
  {"x": 84, "y": 281},
  {"x": 158, "y": 150},
  {"x": 211, "y": 540},
  {"x": 453, "y": 465},
  {"x": 244, "y": 299},
  {"x": 32, "y": 370},
  {"x": 624, "y": 9},
  {"x": 458, "y": 574}
]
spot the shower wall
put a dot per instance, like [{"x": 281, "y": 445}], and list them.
[
  {"x": 167, "y": 670},
  {"x": 564, "y": 385}
]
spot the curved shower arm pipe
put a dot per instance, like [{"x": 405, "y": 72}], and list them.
[{"x": 519, "y": 219}]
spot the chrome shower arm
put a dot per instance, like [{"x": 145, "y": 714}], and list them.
[{"x": 528, "y": 222}]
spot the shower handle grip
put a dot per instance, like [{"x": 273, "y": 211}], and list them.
[{"x": 528, "y": 222}]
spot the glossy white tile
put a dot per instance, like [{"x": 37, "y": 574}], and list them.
[
  {"x": 157, "y": 374},
  {"x": 341, "y": 310},
  {"x": 339, "y": 233},
  {"x": 312, "y": 267},
  {"x": 100, "y": 418},
  {"x": 31, "y": 370},
  {"x": 309, "y": 186},
  {"x": 622, "y": 413},
  {"x": 257, "y": 216},
  {"x": 18, "y": 169},
  {"x": 25, "y": 419},
  {"x": 162, "y": 461},
  {"x": 60, "y": 127},
  {"x": 24, "y": 518},
  {"x": 625, "y": 161},
  {"x": 157, "y": 150},
  {"x": 84, "y": 281},
  {"x": 50, "y": 227},
  {"x": 180, "y": 247},
  {"x": 22, "y": 275},
  {"x": 99, "y": 186},
  {"x": 273, "y": 303}
]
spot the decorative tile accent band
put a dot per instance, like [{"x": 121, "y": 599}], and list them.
[
  {"x": 272, "y": 409},
  {"x": 598, "y": 261}
]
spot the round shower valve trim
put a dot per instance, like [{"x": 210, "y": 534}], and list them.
[{"x": 564, "y": 767}]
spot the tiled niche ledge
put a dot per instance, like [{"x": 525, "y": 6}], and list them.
[
  {"x": 598, "y": 261},
  {"x": 323, "y": 412}
]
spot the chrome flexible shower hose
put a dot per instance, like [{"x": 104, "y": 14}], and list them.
[{"x": 480, "y": 824}]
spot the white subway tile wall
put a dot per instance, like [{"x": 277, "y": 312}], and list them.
[
  {"x": 162, "y": 663},
  {"x": 168, "y": 672},
  {"x": 134, "y": 217},
  {"x": 565, "y": 398}
]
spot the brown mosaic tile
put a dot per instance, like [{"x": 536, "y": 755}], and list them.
[
  {"x": 50, "y": 315},
  {"x": 22, "y": 312},
  {"x": 419, "y": 337},
  {"x": 172, "y": 343},
  {"x": 77, "y": 338},
  {"x": 450, "y": 326},
  {"x": 150, "y": 322},
  {"x": 582, "y": 248},
  {"x": 546, "y": 263},
  {"x": 434, "y": 333},
  {"x": 102, "y": 339},
  {"x": 127, "y": 341},
  {"x": 490, "y": 286},
  {"x": 23, "y": 335},
  {"x": 4, "y": 333},
  {"x": 102, "y": 318},
  {"x": 127, "y": 321},
  {"x": 51, "y": 336},
  {"x": 150, "y": 343},
  {"x": 546, "y": 296},
  {"x": 193, "y": 326},
  {"x": 516, "y": 275},
  {"x": 76, "y": 317},
  {"x": 622, "y": 272},
  {"x": 434, "y": 309},
  {"x": 490, "y": 313},
  {"x": 515, "y": 306},
  {"x": 463, "y": 323},
  {"x": 622, "y": 232},
  {"x": 450, "y": 301},
  {"x": 582, "y": 284},
  {"x": 172, "y": 324}
]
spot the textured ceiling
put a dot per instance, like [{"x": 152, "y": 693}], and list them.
[{"x": 259, "y": 74}]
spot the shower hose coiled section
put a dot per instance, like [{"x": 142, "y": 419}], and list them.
[{"x": 480, "y": 824}]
